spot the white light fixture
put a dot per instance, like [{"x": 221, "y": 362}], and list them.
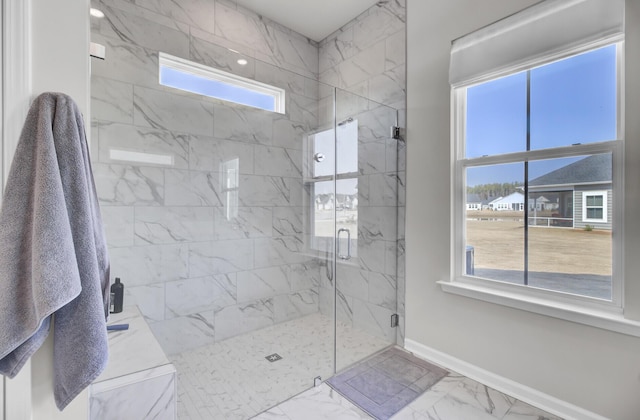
[
  {"x": 96, "y": 13},
  {"x": 242, "y": 62}
]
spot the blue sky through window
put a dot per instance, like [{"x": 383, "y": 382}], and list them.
[
  {"x": 572, "y": 101},
  {"x": 208, "y": 87}
]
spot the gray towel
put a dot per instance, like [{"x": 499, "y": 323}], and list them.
[{"x": 54, "y": 266}]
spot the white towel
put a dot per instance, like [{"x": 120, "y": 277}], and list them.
[{"x": 54, "y": 266}]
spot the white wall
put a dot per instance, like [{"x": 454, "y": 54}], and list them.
[
  {"x": 59, "y": 35},
  {"x": 588, "y": 367}
]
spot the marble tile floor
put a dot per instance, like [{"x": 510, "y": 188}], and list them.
[
  {"x": 233, "y": 380},
  {"x": 454, "y": 397}
]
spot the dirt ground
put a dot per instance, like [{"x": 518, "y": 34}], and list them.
[{"x": 498, "y": 244}]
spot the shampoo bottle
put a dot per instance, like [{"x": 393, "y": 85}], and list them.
[{"x": 117, "y": 296}]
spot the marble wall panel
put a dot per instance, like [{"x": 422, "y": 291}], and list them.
[
  {"x": 289, "y": 81},
  {"x": 220, "y": 257},
  {"x": 239, "y": 319},
  {"x": 263, "y": 283},
  {"x": 276, "y": 161},
  {"x": 240, "y": 123},
  {"x": 279, "y": 251},
  {"x": 111, "y": 100},
  {"x": 150, "y": 299},
  {"x": 383, "y": 290},
  {"x": 170, "y": 146},
  {"x": 118, "y": 225},
  {"x": 143, "y": 265},
  {"x": 126, "y": 185},
  {"x": 195, "y": 13},
  {"x": 294, "y": 305},
  {"x": 242, "y": 28},
  {"x": 257, "y": 191},
  {"x": 190, "y": 296},
  {"x": 377, "y": 223},
  {"x": 167, "y": 111},
  {"x": 289, "y": 134},
  {"x": 211, "y": 154},
  {"x": 242, "y": 222},
  {"x": 352, "y": 281},
  {"x": 221, "y": 58},
  {"x": 183, "y": 333},
  {"x": 371, "y": 157},
  {"x": 126, "y": 62},
  {"x": 166, "y": 225},
  {"x": 363, "y": 65},
  {"x": 373, "y": 319},
  {"x": 135, "y": 29},
  {"x": 191, "y": 188},
  {"x": 305, "y": 275},
  {"x": 288, "y": 221}
]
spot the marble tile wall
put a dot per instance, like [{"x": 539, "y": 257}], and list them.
[
  {"x": 367, "y": 57},
  {"x": 203, "y": 262}
]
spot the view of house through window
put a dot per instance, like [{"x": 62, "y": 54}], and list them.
[
  {"x": 345, "y": 199},
  {"x": 537, "y": 159}
]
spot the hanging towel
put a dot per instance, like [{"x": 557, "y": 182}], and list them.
[{"x": 54, "y": 266}]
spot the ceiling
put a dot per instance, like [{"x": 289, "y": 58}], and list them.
[{"x": 315, "y": 19}]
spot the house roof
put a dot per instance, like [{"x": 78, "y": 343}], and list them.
[
  {"x": 514, "y": 197},
  {"x": 592, "y": 169},
  {"x": 474, "y": 198}
]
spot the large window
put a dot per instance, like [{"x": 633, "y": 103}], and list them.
[
  {"x": 530, "y": 145},
  {"x": 537, "y": 130}
]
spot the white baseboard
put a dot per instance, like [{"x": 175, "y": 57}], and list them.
[{"x": 507, "y": 386}]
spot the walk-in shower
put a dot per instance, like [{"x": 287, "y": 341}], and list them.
[{"x": 261, "y": 247}]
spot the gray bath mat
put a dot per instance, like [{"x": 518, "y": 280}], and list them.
[{"x": 387, "y": 382}]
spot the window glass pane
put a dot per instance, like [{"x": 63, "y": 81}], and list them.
[
  {"x": 347, "y": 139},
  {"x": 323, "y": 146},
  {"x": 216, "y": 89},
  {"x": 323, "y": 215},
  {"x": 495, "y": 234},
  {"x": 496, "y": 118},
  {"x": 347, "y": 215},
  {"x": 595, "y": 213},
  {"x": 567, "y": 254},
  {"x": 574, "y": 100}
]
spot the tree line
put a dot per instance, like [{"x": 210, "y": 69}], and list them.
[{"x": 485, "y": 191}]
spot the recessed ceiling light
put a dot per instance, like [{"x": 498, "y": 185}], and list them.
[
  {"x": 96, "y": 13},
  {"x": 242, "y": 62}
]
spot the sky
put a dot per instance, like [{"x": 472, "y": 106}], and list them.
[{"x": 572, "y": 101}]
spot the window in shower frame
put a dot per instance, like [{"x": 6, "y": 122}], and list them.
[
  {"x": 320, "y": 179},
  {"x": 193, "y": 77}
]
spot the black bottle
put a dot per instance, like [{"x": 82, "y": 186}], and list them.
[{"x": 117, "y": 296}]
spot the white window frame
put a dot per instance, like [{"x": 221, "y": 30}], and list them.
[
  {"x": 594, "y": 193},
  {"x": 190, "y": 67},
  {"x": 582, "y": 309}
]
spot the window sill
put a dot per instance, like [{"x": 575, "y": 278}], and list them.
[{"x": 569, "y": 312}]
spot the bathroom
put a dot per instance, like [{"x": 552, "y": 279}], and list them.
[
  {"x": 227, "y": 238},
  {"x": 527, "y": 354}
]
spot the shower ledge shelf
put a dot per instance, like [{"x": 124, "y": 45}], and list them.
[{"x": 139, "y": 378}]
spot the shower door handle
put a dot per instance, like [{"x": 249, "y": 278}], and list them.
[{"x": 348, "y": 255}]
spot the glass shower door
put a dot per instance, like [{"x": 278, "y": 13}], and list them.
[{"x": 366, "y": 228}]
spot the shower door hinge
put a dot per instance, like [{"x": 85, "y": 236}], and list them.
[
  {"x": 395, "y": 319},
  {"x": 395, "y": 133}
]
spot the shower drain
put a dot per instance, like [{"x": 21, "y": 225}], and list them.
[{"x": 273, "y": 357}]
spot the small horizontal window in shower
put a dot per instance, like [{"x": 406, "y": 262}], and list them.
[{"x": 194, "y": 77}]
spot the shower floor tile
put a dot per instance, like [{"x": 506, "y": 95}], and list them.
[{"x": 233, "y": 380}]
